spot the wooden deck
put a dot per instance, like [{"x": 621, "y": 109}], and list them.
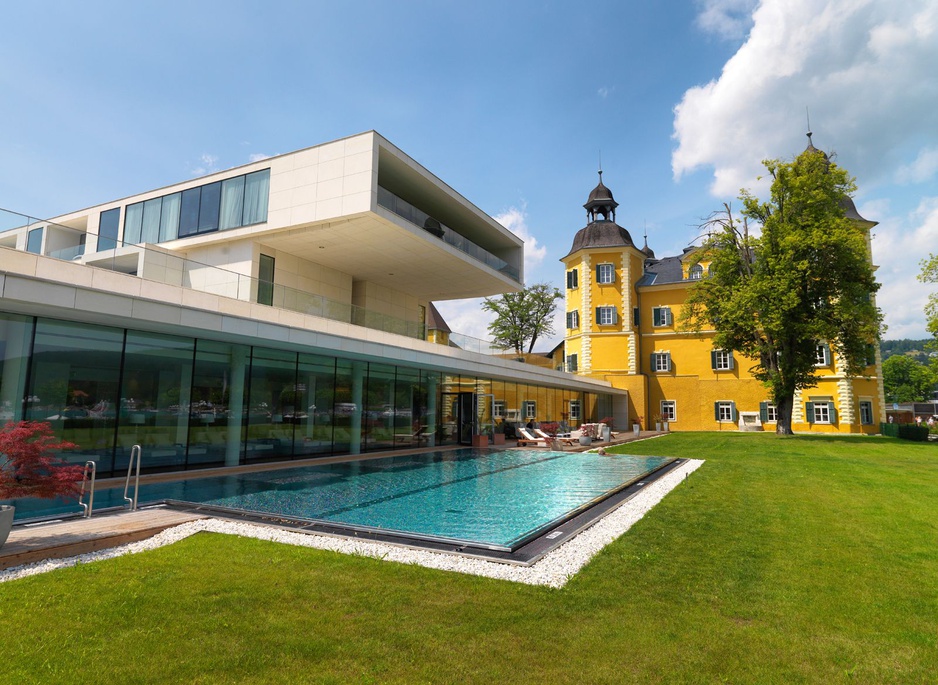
[{"x": 70, "y": 537}]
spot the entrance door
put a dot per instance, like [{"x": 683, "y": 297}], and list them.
[{"x": 466, "y": 418}]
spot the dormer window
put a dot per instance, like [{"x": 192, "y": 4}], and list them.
[{"x": 695, "y": 273}]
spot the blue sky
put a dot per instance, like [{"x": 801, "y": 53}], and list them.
[{"x": 509, "y": 103}]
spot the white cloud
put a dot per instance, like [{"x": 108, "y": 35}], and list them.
[
  {"x": 899, "y": 244},
  {"x": 604, "y": 92},
  {"x": 728, "y": 19},
  {"x": 516, "y": 221},
  {"x": 920, "y": 170},
  {"x": 207, "y": 164},
  {"x": 257, "y": 156},
  {"x": 863, "y": 67}
]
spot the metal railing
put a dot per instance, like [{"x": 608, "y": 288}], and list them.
[
  {"x": 135, "y": 456},
  {"x": 90, "y": 469}
]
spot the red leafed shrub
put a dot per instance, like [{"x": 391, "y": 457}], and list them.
[
  {"x": 550, "y": 428},
  {"x": 30, "y": 469}
]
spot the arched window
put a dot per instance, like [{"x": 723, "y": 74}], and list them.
[{"x": 695, "y": 273}]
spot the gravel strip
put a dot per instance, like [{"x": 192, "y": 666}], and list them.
[{"x": 553, "y": 570}]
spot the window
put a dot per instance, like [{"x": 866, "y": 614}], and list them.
[
  {"x": 498, "y": 409},
  {"x": 661, "y": 316},
  {"x": 660, "y": 361},
  {"x": 606, "y": 316},
  {"x": 34, "y": 241},
  {"x": 573, "y": 319},
  {"x": 636, "y": 318},
  {"x": 695, "y": 273},
  {"x": 768, "y": 413},
  {"x": 605, "y": 273},
  {"x": 725, "y": 412},
  {"x": 572, "y": 279},
  {"x": 668, "y": 410},
  {"x": 234, "y": 202},
  {"x": 820, "y": 412},
  {"x": 866, "y": 413},
  {"x": 575, "y": 410},
  {"x": 530, "y": 409},
  {"x": 823, "y": 355},
  {"x": 721, "y": 360},
  {"x": 108, "y": 225},
  {"x": 571, "y": 363},
  {"x": 265, "y": 280},
  {"x": 871, "y": 355}
]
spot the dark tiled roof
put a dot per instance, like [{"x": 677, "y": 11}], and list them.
[
  {"x": 601, "y": 234},
  {"x": 601, "y": 194},
  {"x": 659, "y": 271},
  {"x": 435, "y": 321}
]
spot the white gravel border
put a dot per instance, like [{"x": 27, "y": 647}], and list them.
[{"x": 554, "y": 569}]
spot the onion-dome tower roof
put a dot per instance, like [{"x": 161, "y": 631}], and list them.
[{"x": 602, "y": 229}]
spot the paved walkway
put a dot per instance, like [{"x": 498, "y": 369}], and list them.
[{"x": 70, "y": 537}]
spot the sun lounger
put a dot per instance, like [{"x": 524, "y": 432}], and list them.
[
  {"x": 564, "y": 440},
  {"x": 528, "y": 439}
]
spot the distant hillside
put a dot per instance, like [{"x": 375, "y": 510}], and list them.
[{"x": 912, "y": 348}]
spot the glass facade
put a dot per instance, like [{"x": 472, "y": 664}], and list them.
[{"x": 195, "y": 403}]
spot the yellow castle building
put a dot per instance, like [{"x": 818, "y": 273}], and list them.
[{"x": 623, "y": 307}]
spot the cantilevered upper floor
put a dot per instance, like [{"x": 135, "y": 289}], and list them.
[{"x": 355, "y": 221}]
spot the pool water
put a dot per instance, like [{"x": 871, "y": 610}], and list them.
[{"x": 483, "y": 498}]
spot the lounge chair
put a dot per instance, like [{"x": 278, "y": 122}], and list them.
[
  {"x": 564, "y": 440},
  {"x": 418, "y": 437},
  {"x": 528, "y": 439}
]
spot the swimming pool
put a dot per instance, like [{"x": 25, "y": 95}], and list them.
[{"x": 476, "y": 497}]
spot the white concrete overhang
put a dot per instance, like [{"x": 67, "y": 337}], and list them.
[{"x": 43, "y": 286}]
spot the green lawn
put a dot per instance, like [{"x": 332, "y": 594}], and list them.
[{"x": 781, "y": 560}]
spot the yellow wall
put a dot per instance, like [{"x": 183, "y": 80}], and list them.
[{"x": 621, "y": 354}]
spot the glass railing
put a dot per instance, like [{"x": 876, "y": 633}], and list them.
[
  {"x": 421, "y": 219},
  {"x": 162, "y": 266}
]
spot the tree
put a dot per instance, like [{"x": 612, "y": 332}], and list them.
[
  {"x": 523, "y": 316},
  {"x": 906, "y": 380},
  {"x": 805, "y": 281}
]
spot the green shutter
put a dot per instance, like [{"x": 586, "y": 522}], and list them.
[
  {"x": 734, "y": 414},
  {"x": 598, "y": 273},
  {"x": 713, "y": 359},
  {"x": 615, "y": 315},
  {"x": 716, "y": 411},
  {"x": 764, "y": 412},
  {"x": 833, "y": 412},
  {"x": 809, "y": 411},
  {"x": 732, "y": 360},
  {"x": 596, "y": 320}
]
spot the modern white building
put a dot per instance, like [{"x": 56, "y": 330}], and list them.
[{"x": 271, "y": 311}]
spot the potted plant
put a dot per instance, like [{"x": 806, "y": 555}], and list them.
[
  {"x": 657, "y": 420},
  {"x": 498, "y": 435},
  {"x": 637, "y": 426},
  {"x": 30, "y": 469}
]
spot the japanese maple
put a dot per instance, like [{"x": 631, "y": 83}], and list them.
[{"x": 30, "y": 469}]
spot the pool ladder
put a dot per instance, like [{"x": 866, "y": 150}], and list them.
[
  {"x": 87, "y": 475},
  {"x": 135, "y": 454}
]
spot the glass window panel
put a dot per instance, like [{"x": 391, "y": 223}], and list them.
[
  {"x": 265, "y": 280},
  {"x": 208, "y": 209},
  {"x": 273, "y": 395},
  {"x": 217, "y": 404},
  {"x": 151, "y": 221},
  {"x": 169, "y": 217},
  {"x": 378, "y": 421},
  {"x": 16, "y": 334},
  {"x": 232, "y": 202},
  {"x": 133, "y": 223},
  {"x": 189, "y": 212},
  {"x": 256, "y": 191},
  {"x": 34, "y": 241},
  {"x": 315, "y": 401},
  {"x": 154, "y": 410},
  {"x": 74, "y": 386},
  {"x": 108, "y": 226},
  {"x": 346, "y": 411}
]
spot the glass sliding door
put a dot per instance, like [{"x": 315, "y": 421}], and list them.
[
  {"x": 218, "y": 403},
  {"x": 154, "y": 410},
  {"x": 74, "y": 385},
  {"x": 314, "y": 409}
]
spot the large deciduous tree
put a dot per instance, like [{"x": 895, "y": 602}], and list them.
[
  {"x": 805, "y": 280},
  {"x": 522, "y": 317},
  {"x": 906, "y": 380}
]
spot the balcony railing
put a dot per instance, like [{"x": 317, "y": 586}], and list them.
[{"x": 421, "y": 219}]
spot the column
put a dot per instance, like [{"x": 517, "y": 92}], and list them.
[{"x": 235, "y": 405}]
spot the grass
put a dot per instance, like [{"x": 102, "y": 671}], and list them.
[{"x": 781, "y": 560}]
